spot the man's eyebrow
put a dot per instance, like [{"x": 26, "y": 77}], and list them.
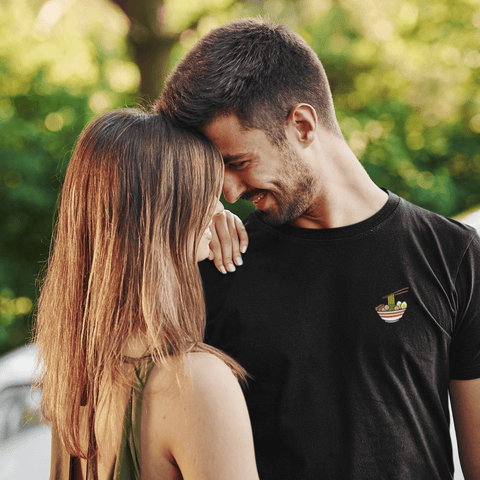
[{"x": 231, "y": 158}]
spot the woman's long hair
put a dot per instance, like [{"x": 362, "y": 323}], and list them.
[{"x": 137, "y": 197}]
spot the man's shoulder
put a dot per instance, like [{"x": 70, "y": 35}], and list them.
[{"x": 426, "y": 220}]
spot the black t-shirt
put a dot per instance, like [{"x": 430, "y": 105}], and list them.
[{"x": 352, "y": 336}]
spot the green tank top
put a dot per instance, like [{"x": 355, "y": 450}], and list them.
[{"x": 127, "y": 461}]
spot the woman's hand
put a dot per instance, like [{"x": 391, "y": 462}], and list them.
[{"x": 229, "y": 241}]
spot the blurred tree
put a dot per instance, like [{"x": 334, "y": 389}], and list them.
[
  {"x": 151, "y": 43},
  {"x": 405, "y": 77},
  {"x": 61, "y": 63},
  {"x": 157, "y": 25}
]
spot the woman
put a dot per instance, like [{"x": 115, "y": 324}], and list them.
[{"x": 121, "y": 312}]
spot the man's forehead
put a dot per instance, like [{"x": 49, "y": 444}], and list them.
[
  {"x": 224, "y": 119},
  {"x": 225, "y": 132},
  {"x": 234, "y": 141}
]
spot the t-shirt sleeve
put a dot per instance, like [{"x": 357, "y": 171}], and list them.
[{"x": 465, "y": 345}]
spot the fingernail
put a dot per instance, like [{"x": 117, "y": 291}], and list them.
[
  {"x": 243, "y": 249},
  {"x": 239, "y": 261},
  {"x": 222, "y": 269},
  {"x": 231, "y": 267}
]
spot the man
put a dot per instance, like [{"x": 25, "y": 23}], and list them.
[{"x": 355, "y": 311}]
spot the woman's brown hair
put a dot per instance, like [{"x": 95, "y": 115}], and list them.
[{"x": 137, "y": 197}]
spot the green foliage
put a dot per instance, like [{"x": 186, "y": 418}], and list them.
[
  {"x": 404, "y": 76},
  {"x": 54, "y": 77}
]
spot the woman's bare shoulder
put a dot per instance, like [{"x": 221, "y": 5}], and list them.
[
  {"x": 203, "y": 419},
  {"x": 208, "y": 370},
  {"x": 201, "y": 370}
]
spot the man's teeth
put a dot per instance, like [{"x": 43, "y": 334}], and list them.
[{"x": 258, "y": 198}]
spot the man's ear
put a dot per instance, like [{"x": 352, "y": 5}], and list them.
[{"x": 302, "y": 123}]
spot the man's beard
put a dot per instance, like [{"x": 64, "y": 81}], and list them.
[
  {"x": 290, "y": 205},
  {"x": 295, "y": 192}
]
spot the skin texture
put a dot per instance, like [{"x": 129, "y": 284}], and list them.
[
  {"x": 255, "y": 168},
  {"x": 201, "y": 428}
]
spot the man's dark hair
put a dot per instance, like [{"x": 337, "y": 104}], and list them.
[{"x": 251, "y": 68}]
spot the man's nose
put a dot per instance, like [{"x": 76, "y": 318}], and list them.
[{"x": 233, "y": 187}]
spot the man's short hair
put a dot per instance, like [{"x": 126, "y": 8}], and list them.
[{"x": 254, "y": 69}]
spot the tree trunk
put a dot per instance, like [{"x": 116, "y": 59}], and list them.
[{"x": 151, "y": 44}]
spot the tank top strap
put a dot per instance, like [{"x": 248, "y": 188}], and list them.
[{"x": 127, "y": 465}]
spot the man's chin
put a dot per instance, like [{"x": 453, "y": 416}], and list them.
[
  {"x": 273, "y": 218},
  {"x": 281, "y": 216}
]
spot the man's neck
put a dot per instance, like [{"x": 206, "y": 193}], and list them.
[
  {"x": 345, "y": 193},
  {"x": 345, "y": 208}
]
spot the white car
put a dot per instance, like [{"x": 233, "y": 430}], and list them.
[
  {"x": 473, "y": 219},
  {"x": 25, "y": 442}
]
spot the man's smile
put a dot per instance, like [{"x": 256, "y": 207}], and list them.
[
  {"x": 255, "y": 197},
  {"x": 258, "y": 198}
]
